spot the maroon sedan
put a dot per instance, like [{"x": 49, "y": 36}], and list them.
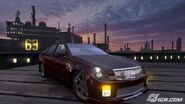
[{"x": 95, "y": 75}]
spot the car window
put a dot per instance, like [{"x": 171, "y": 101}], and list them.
[
  {"x": 46, "y": 50},
  {"x": 85, "y": 49},
  {"x": 51, "y": 49},
  {"x": 60, "y": 49}
]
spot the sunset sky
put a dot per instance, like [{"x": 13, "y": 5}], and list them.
[{"x": 129, "y": 21}]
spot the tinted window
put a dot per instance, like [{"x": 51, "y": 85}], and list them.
[
  {"x": 85, "y": 49},
  {"x": 46, "y": 50},
  {"x": 51, "y": 49},
  {"x": 60, "y": 49}
]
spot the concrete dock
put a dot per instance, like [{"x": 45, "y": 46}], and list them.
[{"x": 24, "y": 85}]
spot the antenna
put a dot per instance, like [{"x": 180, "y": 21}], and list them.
[
  {"x": 33, "y": 15},
  {"x": 17, "y": 13}
]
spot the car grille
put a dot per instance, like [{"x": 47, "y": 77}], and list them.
[
  {"x": 119, "y": 73},
  {"x": 127, "y": 91}
]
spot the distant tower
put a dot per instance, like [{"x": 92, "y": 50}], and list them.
[
  {"x": 162, "y": 48},
  {"x": 94, "y": 38},
  {"x": 179, "y": 44},
  {"x": 105, "y": 34},
  {"x": 59, "y": 26},
  {"x": 152, "y": 45},
  {"x": 33, "y": 16},
  {"x": 88, "y": 40},
  {"x": 107, "y": 42},
  {"x": 73, "y": 29},
  {"x": 69, "y": 27},
  {"x": 172, "y": 46},
  {"x": 147, "y": 46},
  {"x": 17, "y": 19}
]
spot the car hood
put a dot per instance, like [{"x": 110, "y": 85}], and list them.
[{"x": 107, "y": 61}]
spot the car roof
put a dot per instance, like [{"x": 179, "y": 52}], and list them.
[{"x": 72, "y": 43}]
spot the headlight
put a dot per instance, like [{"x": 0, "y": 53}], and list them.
[
  {"x": 98, "y": 73},
  {"x": 129, "y": 73}
]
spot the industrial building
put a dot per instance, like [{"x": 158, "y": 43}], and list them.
[
  {"x": 28, "y": 35},
  {"x": 104, "y": 46}
]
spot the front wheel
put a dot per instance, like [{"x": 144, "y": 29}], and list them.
[{"x": 80, "y": 86}]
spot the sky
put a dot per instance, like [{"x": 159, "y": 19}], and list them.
[{"x": 129, "y": 21}]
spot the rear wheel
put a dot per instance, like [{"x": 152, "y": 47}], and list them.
[
  {"x": 42, "y": 70},
  {"x": 80, "y": 86}
]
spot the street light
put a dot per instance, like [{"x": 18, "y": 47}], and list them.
[
  {"x": 135, "y": 58},
  {"x": 14, "y": 60},
  {"x": 28, "y": 60},
  {"x": 141, "y": 57}
]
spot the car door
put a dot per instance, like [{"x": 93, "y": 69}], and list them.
[
  {"x": 48, "y": 60},
  {"x": 60, "y": 55}
]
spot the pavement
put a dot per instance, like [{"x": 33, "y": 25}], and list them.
[{"x": 24, "y": 85}]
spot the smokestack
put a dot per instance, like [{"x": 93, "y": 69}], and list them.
[
  {"x": 105, "y": 33},
  {"x": 162, "y": 48},
  {"x": 73, "y": 29},
  {"x": 59, "y": 26},
  {"x": 152, "y": 45},
  {"x": 94, "y": 38},
  {"x": 172, "y": 46},
  {"x": 69, "y": 28},
  {"x": 127, "y": 45},
  {"x": 107, "y": 42},
  {"x": 88, "y": 40},
  {"x": 33, "y": 16}
]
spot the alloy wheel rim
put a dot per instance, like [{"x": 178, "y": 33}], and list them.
[{"x": 81, "y": 86}]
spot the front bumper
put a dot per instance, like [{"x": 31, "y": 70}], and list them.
[{"x": 120, "y": 90}]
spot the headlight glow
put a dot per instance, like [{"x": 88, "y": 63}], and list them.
[
  {"x": 97, "y": 69},
  {"x": 98, "y": 73}
]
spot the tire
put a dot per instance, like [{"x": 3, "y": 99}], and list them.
[
  {"x": 42, "y": 70},
  {"x": 80, "y": 86}
]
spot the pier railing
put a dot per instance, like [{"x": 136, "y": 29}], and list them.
[
  {"x": 154, "y": 56},
  {"x": 10, "y": 59}
]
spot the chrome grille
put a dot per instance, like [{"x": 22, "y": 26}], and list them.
[
  {"x": 127, "y": 73},
  {"x": 129, "y": 90}
]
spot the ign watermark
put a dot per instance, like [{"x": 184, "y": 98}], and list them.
[{"x": 155, "y": 98}]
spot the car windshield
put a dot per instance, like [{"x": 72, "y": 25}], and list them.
[{"x": 85, "y": 49}]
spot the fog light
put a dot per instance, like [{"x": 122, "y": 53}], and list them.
[
  {"x": 14, "y": 60},
  {"x": 28, "y": 60},
  {"x": 106, "y": 91}
]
